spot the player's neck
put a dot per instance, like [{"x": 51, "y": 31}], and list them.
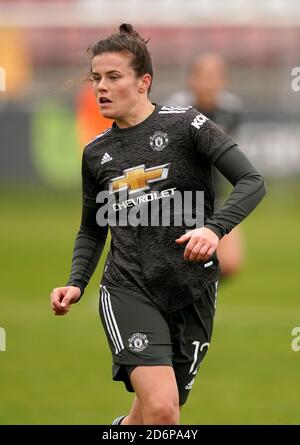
[{"x": 138, "y": 114}]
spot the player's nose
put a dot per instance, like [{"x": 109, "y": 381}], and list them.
[{"x": 102, "y": 85}]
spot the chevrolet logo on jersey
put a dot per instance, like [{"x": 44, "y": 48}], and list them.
[{"x": 138, "y": 178}]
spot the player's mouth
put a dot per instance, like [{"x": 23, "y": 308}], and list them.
[{"x": 104, "y": 101}]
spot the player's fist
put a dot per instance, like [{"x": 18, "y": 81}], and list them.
[
  {"x": 201, "y": 244},
  {"x": 63, "y": 297}
]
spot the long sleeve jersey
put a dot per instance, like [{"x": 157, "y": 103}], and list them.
[{"x": 160, "y": 169}]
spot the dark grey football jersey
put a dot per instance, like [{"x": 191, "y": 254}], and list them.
[{"x": 172, "y": 151}]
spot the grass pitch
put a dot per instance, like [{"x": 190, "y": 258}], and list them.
[{"x": 57, "y": 370}]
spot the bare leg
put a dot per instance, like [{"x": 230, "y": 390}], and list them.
[
  {"x": 135, "y": 416},
  {"x": 157, "y": 393}
]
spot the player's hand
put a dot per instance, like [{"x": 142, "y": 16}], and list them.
[
  {"x": 63, "y": 297},
  {"x": 201, "y": 244}
]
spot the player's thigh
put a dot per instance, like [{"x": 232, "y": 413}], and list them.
[
  {"x": 155, "y": 386},
  {"x": 191, "y": 332}
]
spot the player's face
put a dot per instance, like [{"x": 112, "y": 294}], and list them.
[
  {"x": 207, "y": 79},
  {"x": 116, "y": 85}
]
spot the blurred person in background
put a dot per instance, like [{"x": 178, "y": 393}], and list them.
[
  {"x": 89, "y": 120},
  {"x": 16, "y": 61},
  {"x": 159, "y": 286},
  {"x": 207, "y": 80}
]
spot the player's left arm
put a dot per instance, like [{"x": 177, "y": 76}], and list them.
[{"x": 249, "y": 189}]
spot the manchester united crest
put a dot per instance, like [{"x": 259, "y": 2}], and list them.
[
  {"x": 138, "y": 342},
  {"x": 159, "y": 141}
]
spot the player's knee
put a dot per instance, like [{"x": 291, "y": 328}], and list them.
[{"x": 162, "y": 412}]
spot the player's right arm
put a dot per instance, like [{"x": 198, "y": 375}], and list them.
[
  {"x": 63, "y": 297},
  {"x": 88, "y": 247}
]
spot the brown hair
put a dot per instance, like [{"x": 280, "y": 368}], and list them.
[{"x": 127, "y": 40}]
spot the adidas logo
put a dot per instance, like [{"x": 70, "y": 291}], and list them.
[
  {"x": 106, "y": 158},
  {"x": 190, "y": 385}
]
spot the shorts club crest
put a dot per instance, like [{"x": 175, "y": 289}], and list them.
[{"x": 138, "y": 342}]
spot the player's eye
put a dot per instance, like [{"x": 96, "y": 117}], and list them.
[{"x": 94, "y": 77}]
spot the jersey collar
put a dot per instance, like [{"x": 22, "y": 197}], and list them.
[{"x": 118, "y": 130}]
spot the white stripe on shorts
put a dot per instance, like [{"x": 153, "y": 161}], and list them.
[
  {"x": 110, "y": 320},
  {"x": 216, "y": 293}
]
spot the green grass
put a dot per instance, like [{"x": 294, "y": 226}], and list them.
[{"x": 57, "y": 370}]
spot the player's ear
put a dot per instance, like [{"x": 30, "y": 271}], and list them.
[{"x": 144, "y": 83}]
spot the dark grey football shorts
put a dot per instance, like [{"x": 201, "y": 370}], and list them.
[{"x": 139, "y": 333}]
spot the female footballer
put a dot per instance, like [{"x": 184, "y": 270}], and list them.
[{"x": 159, "y": 286}]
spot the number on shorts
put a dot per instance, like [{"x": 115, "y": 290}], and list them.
[{"x": 197, "y": 347}]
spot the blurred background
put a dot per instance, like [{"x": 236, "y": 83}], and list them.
[{"x": 58, "y": 370}]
